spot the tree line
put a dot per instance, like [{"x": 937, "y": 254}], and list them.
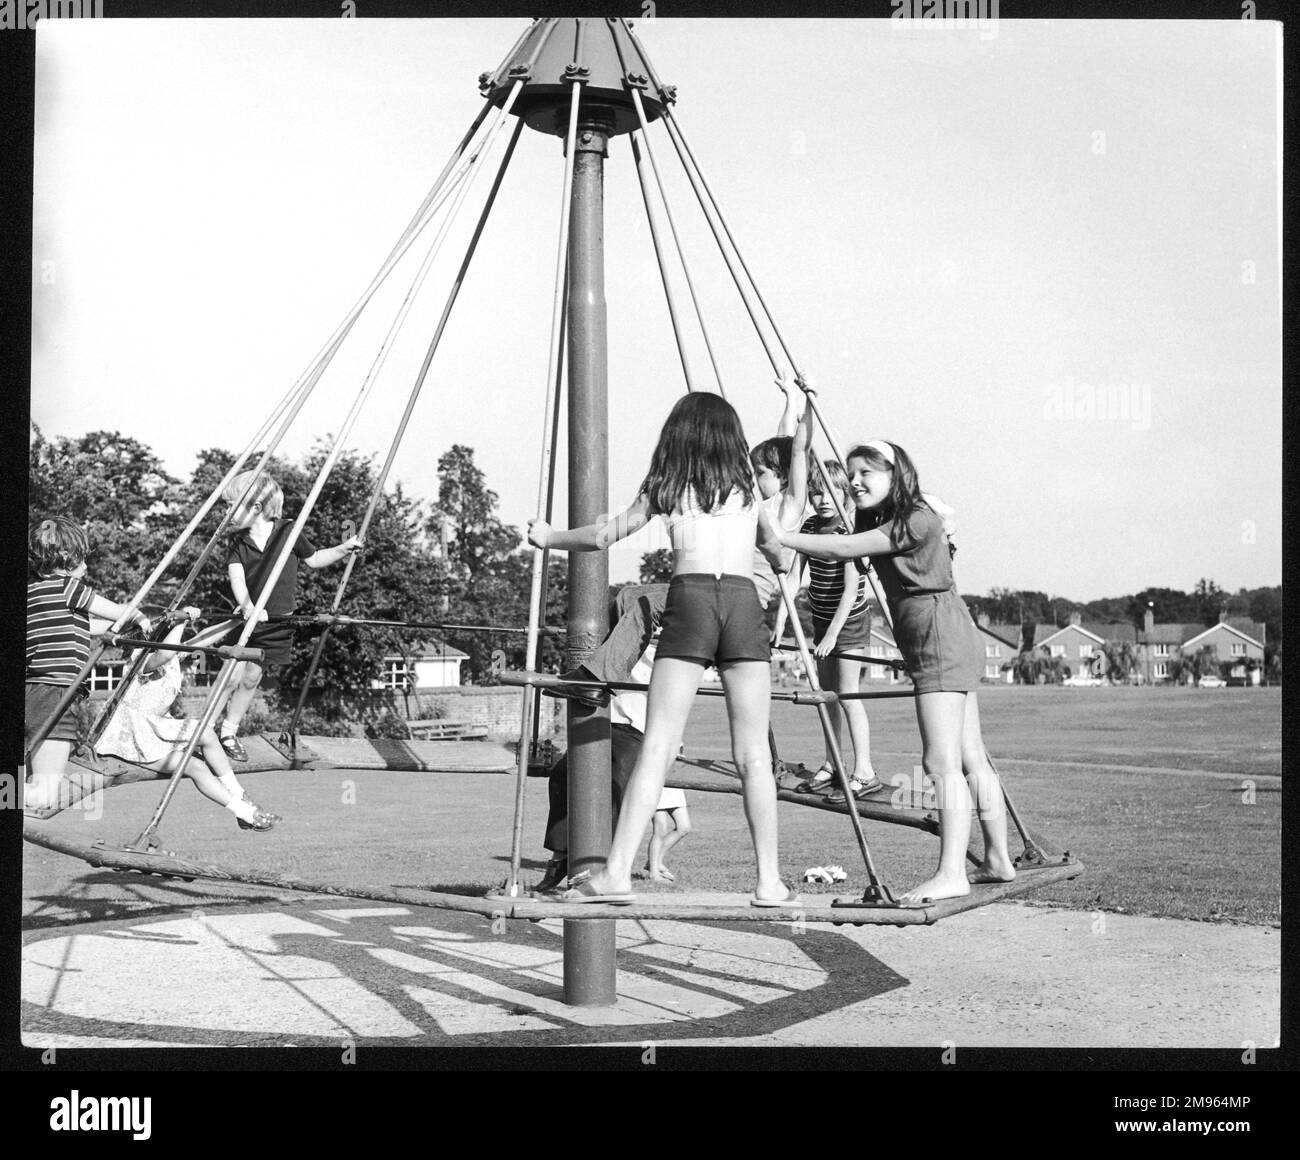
[{"x": 451, "y": 560}]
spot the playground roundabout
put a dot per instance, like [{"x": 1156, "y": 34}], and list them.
[{"x": 133, "y": 960}]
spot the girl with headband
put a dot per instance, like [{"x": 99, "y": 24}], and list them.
[{"x": 905, "y": 538}]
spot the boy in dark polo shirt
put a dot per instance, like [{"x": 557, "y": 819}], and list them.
[{"x": 260, "y": 538}]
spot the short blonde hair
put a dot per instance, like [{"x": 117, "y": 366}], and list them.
[
  {"x": 833, "y": 473},
  {"x": 264, "y": 490}
]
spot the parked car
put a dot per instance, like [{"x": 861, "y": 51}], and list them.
[
  {"x": 1212, "y": 682},
  {"x": 1083, "y": 681}
]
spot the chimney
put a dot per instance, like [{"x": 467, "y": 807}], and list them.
[
  {"x": 1149, "y": 622},
  {"x": 1223, "y": 615},
  {"x": 984, "y": 620},
  {"x": 1076, "y": 618}
]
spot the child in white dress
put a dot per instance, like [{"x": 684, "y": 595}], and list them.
[{"x": 142, "y": 731}]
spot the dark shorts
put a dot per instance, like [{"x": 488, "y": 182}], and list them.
[
  {"x": 41, "y": 702},
  {"x": 939, "y": 642},
  {"x": 713, "y": 619},
  {"x": 854, "y": 637},
  {"x": 277, "y": 642}
]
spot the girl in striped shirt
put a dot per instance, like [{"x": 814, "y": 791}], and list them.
[
  {"x": 59, "y": 606},
  {"x": 839, "y": 600}
]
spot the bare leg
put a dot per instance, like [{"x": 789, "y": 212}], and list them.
[
  {"x": 681, "y": 826},
  {"x": 661, "y": 826},
  {"x": 748, "y": 688},
  {"x": 668, "y": 828},
  {"x": 48, "y": 764},
  {"x": 990, "y": 805},
  {"x": 827, "y": 677},
  {"x": 199, "y": 774},
  {"x": 941, "y": 717},
  {"x": 672, "y": 692},
  {"x": 847, "y": 677},
  {"x": 218, "y": 762},
  {"x": 245, "y": 681}
]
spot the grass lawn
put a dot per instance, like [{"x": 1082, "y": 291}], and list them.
[{"x": 1095, "y": 771}]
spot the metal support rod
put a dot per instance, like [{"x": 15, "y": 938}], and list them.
[
  {"x": 299, "y": 391},
  {"x": 544, "y": 476},
  {"x": 663, "y": 269},
  {"x": 898, "y": 666},
  {"x": 343, "y": 621},
  {"x": 548, "y": 515},
  {"x": 548, "y": 681},
  {"x": 395, "y": 443},
  {"x": 145, "y": 838},
  {"x": 833, "y": 746},
  {"x": 250, "y": 626},
  {"x": 226, "y": 652},
  {"x": 704, "y": 195},
  {"x": 677, "y": 241},
  {"x": 589, "y": 959}
]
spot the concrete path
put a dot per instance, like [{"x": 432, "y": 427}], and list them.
[{"x": 146, "y": 962}]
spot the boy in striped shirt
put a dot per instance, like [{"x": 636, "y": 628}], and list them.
[
  {"x": 839, "y": 600},
  {"x": 59, "y": 606}
]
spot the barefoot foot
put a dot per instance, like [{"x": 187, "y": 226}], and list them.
[
  {"x": 601, "y": 883},
  {"x": 933, "y": 889},
  {"x": 991, "y": 870}
]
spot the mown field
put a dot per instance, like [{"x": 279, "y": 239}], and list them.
[{"x": 1171, "y": 798}]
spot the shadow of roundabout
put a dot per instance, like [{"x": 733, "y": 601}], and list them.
[{"x": 323, "y": 972}]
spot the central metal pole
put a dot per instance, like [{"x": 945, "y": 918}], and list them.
[{"x": 589, "y": 966}]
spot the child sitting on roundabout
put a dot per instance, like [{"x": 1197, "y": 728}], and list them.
[{"x": 142, "y": 731}]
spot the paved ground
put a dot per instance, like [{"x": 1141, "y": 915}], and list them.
[{"x": 124, "y": 960}]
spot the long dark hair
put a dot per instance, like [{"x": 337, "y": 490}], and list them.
[
  {"x": 904, "y": 492},
  {"x": 701, "y": 450}
]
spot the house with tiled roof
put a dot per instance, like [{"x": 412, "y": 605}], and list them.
[
  {"x": 1001, "y": 646},
  {"x": 1238, "y": 641},
  {"x": 1074, "y": 644}
]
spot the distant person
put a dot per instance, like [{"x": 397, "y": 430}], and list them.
[
  {"x": 670, "y": 824},
  {"x": 59, "y": 606},
  {"x": 905, "y": 539},
  {"x": 142, "y": 731},
  {"x": 260, "y": 538}
]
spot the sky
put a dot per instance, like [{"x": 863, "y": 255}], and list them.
[{"x": 1042, "y": 256}]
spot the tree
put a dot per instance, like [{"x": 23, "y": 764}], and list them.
[
  {"x": 483, "y": 574},
  {"x": 1171, "y": 607},
  {"x": 115, "y": 487},
  {"x": 1207, "y": 600},
  {"x": 1121, "y": 661},
  {"x": 657, "y": 566},
  {"x": 1189, "y": 668},
  {"x": 391, "y": 579}
]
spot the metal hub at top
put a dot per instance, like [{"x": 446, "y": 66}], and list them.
[{"x": 599, "y": 52}]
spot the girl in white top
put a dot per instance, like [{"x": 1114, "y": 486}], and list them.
[
  {"x": 141, "y": 731},
  {"x": 701, "y": 482}
]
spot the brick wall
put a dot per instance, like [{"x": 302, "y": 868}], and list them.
[{"x": 494, "y": 706}]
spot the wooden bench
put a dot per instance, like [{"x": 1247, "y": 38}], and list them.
[{"x": 441, "y": 729}]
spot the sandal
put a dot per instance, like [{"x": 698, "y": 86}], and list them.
[
  {"x": 820, "y": 781},
  {"x": 861, "y": 792}
]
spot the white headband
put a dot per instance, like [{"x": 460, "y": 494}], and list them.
[{"x": 883, "y": 448}]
